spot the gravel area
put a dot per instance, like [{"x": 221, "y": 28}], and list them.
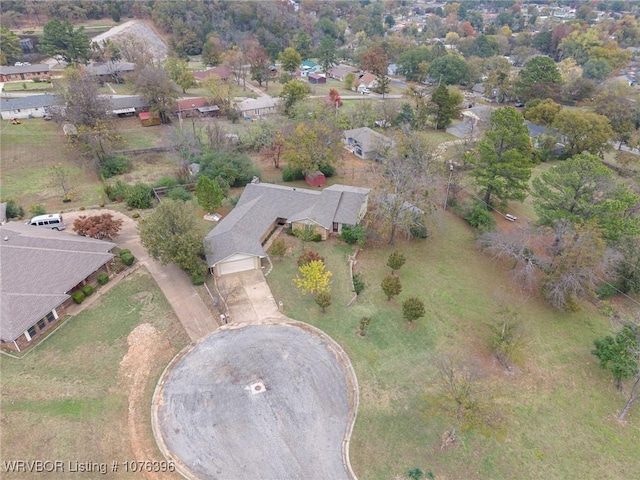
[{"x": 138, "y": 29}]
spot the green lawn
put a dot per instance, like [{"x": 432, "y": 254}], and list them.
[
  {"x": 68, "y": 399},
  {"x": 559, "y": 406},
  {"x": 27, "y": 86}
]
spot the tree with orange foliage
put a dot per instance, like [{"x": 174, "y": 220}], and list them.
[{"x": 102, "y": 227}]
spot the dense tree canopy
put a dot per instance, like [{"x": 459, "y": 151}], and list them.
[
  {"x": 10, "y": 49},
  {"x": 450, "y": 70},
  {"x": 538, "y": 72},
  {"x": 583, "y": 131},
  {"x": 59, "y": 38},
  {"x": 581, "y": 190},
  {"x": 503, "y": 158}
]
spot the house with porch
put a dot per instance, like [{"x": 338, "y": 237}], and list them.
[
  {"x": 340, "y": 72},
  {"x": 236, "y": 243},
  {"x": 258, "y": 107},
  {"x": 365, "y": 82},
  {"x": 40, "y": 269}
]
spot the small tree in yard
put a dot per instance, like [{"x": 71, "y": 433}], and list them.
[
  {"x": 364, "y": 326},
  {"x": 391, "y": 286},
  {"x": 278, "y": 249},
  {"x": 309, "y": 256},
  {"x": 396, "y": 261},
  {"x": 412, "y": 309},
  {"x": 507, "y": 339},
  {"x": 209, "y": 193},
  {"x": 102, "y": 227},
  {"x": 323, "y": 300},
  {"x": 621, "y": 356},
  {"x": 313, "y": 278}
]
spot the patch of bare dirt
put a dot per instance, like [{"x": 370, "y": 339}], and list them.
[{"x": 145, "y": 346}]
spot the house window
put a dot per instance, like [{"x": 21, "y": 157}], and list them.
[
  {"x": 32, "y": 331},
  {"x": 42, "y": 325},
  {"x": 51, "y": 317},
  {"x": 335, "y": 227}
]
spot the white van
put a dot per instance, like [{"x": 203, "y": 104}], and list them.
[{"x": 52, "y": 220}]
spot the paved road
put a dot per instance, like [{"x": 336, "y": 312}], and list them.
[
  {"x": 269, "y": 401},
  {"x": 174, "y": 283}
]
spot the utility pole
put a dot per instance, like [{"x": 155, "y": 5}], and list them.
[{"x": 446, "y": 199}]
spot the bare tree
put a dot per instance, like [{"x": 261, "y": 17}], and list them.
[
  {"x": 155, "y": 86},
  {"x": 515, "y": 245},
  {"x": 404, "y": 176}
]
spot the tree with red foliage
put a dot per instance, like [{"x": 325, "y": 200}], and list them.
[
  {"x": 102, "y": 227},
  {"x": 333, "y": 100}
]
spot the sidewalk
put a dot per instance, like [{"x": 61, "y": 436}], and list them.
[{"x": 174, "y": 283}]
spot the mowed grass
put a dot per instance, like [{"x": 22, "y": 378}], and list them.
[
  {"x": 67, "y": 400},
  {"x": 31, "y": 149},
  {"x": 558, "y": 407}
]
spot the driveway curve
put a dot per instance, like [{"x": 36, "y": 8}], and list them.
[
  {"x": 268, "y": 401},
  {"x": 193, "y": 314}
]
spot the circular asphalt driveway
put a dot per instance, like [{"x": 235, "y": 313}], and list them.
[{"x": 269, "y": 401}]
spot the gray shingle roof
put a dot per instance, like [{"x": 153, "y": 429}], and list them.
[
  {"x": 262, "y": 203},
  {"x": 29, "y": 101},
  {"x": 11, "y": 70},
  {"x": 38, "y": 267},
  {"x": 369, "y": 140}
]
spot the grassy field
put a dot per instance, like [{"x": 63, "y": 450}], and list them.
[
  {"x": 71, "y": 399},
  {"x": 558, "y": 406},
  {"x": 30, "y": 149},
  {"x": 28, "y": 86}
]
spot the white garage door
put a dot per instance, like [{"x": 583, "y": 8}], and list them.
[{"x": 236, "y": 266}]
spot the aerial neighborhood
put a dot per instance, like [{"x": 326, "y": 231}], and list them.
[{"x": 320, "y": 239}]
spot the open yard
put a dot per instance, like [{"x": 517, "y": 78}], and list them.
[
  {"x": 30, "y": 150},
  {"x": 84, "y": 394},
  {"x": 558, "y": 406}
]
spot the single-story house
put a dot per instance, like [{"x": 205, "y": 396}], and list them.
[
  {"x": 258, "y": 107},
  {"x": 127, "y": 105},
  {"x": 28, "y": 106},
  {"x": 189, "y": 107},
  {"x": 366, "y": 143},
  {"x": 474, "y": 120},
  {"x": 366, "y": 82},
  {"x": 222, "y": 72},
  {"x": 309, "y": 66},
  {"x": 24, "y": 72},
  {"x": 40, "y": 269},
  {"x": 315, "y": 78},
  {"x": 340, "y": 72},
  {"x": 111, "y": 71},
  {"x": 236, "y": 243}
]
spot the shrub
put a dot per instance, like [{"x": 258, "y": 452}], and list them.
[
  {"x": 309, "y": 256},
  {"x": 165, "y": 182},
  {"x": 323, "y": 300},
  {"x": 139, "y": 196},
  {"x": 307, "y": 234},
  {"x": 124, "y": 251},
  {"x": 88, "y": 290},
  {"x": 364, "y": 325},
  {"x": 37, "y": 209},
  {"x": 327, "y": 170},
  {"x": 291, "y": 174},
  {"x": 396, "y": 261},
  {"x": 606, "y": 290},
  {"x": 197, "y": 278},
  {"x": 78, "y": 297},
  {"x": 115, "y": 165},
  {"x": 14, "y": 210},
  {"x": 412, "y": 309},
  {"x": 358, "y": 283},
  {"x": 316, "y": 237},
  {"x": 116, "y": 192},
  {"x": 391, "y": 286},
  {"x": 479, "y": 217},
  {"x": 128, "y": 259},
  {"x": 353, "y": 234},
  {"x": 278, "y": 248},
  {"x": 179, "y": 193},
  {"x": 103, "y": 279}
]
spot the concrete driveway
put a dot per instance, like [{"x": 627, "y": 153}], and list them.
[
  {"x": 249, "y": 297},
  {"x": 270, "y": 401}
]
